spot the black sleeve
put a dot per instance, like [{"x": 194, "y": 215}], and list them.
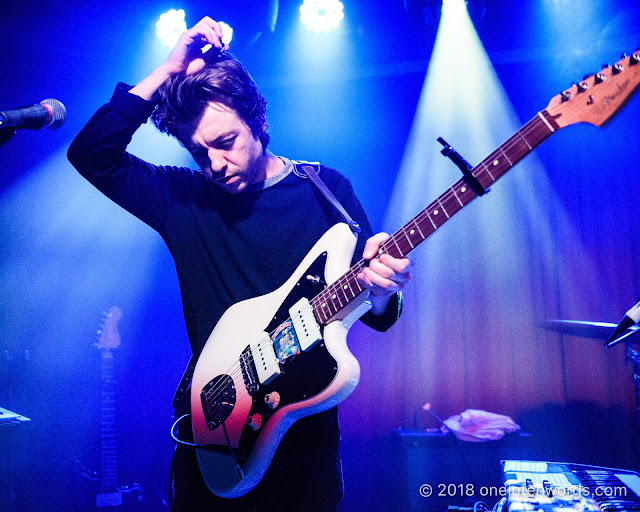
[
  {"x": 101, "y": 145},
  {"x": 345, "y": 194},
  {"x": 99, "y": 154}
]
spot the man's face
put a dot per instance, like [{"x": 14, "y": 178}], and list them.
[{"x": 224, "y": 147}]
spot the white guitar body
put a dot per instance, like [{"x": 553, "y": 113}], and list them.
[{"x": 248, "y": 417}]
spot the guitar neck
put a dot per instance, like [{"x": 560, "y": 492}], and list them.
[
  {"x": 108, "y": 476},
  {"x": 328, "y": 304}
]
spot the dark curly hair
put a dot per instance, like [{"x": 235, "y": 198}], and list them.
[{"x": 183, "y": 98}]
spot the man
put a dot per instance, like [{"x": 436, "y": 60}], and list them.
[{"x": 237, "y": 228}]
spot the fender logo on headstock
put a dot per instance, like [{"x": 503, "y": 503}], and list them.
[{"x": 612, "y": 98}]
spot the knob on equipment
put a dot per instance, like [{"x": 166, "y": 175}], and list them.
[
  {"x": 272, "y": 399},
  {"x": 254, "y": 421}
]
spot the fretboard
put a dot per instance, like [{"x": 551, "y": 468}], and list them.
[
  {"x": 333, "y": 299},
  {"x": 108, "y": 442}
]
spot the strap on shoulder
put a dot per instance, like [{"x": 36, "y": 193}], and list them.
[{"x": 311, "y": 170}]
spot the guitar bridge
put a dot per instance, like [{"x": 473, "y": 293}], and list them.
[{"x": 248, "y": 368}]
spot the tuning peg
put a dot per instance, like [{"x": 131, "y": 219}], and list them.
[
  {"x": 599, "y": 78},
  {"x": 582, "y": 86},
  {"x": 634, "y": 59},
  {"x": 565, "y": 96}
]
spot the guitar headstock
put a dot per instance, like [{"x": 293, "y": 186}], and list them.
[
  {"x": 598, "y": 98},
  {"x": 108, "y": 335}
]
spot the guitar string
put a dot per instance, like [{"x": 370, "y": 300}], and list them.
[
  {"x": 532, "y": 126},
  {"x": 529, "y": 128}
]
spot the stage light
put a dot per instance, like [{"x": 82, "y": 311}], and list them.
[
  {"x": 227, "y": 32},
  {"x": 169, "y": 27},
  {"x": 454, "y": 6},
  {"x": 321, "y": 15},
  {"x": 513, "y": 244}
]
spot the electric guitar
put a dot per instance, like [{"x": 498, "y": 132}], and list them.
[
  {"x": 105, "y": 494},
  {"x": 274, "y": 359}
]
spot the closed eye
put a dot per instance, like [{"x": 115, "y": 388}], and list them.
[{"x": 225, "y": 144}]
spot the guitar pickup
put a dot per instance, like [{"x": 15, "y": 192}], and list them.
[
  {"x": 304, "y": 322},
  {"x": 265, "y": 360}
]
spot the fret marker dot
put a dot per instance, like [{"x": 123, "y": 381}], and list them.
[
  {"x": 495, "y": 162},
  {"x": 463, "y": 189},
  {"x": 435, "y": 212},
  {"x": 412, "y": 231},
  {"x": 345, "y": 286},
  {"x": 333, "y": 296},
  {"x": 324, "y": 305}
]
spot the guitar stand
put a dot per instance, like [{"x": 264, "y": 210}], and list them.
[{"x": 464, "y": 166}]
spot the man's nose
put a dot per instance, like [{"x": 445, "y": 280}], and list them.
[{"x": 217, "y": 161}]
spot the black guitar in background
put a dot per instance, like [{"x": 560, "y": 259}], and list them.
[{"x": 100, "y": 491}]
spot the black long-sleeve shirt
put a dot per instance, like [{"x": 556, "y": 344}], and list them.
[{"x": 226, "y": 247}]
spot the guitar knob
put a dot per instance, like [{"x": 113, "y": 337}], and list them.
[
  {"x": 272, "y": 399},
  {"x": 254, "y": 421},
  {"x": 582, "y": 86},
  {"x": 617, "y": 68},
  {"x": 599, "y": 78},
  {"x": 634, "y": 59}
]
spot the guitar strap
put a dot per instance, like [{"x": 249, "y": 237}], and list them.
[
  {"x": 303, "y": 170},
  {"x": 311, "y": 170}
]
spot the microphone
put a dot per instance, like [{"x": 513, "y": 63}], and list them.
[
  {"x": 630, "y": 319},
  {"x": 48, "y": 113}
]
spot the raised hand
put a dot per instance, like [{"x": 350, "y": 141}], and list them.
[{"x": 186, "y": 56}]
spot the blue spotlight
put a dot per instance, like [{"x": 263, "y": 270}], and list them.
[
  {"x": 321, "y": 15},
  {"x": 169, "y": 27},
  {"x": 227, "y": 32},
  {"x": 454, "y": 6}
]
